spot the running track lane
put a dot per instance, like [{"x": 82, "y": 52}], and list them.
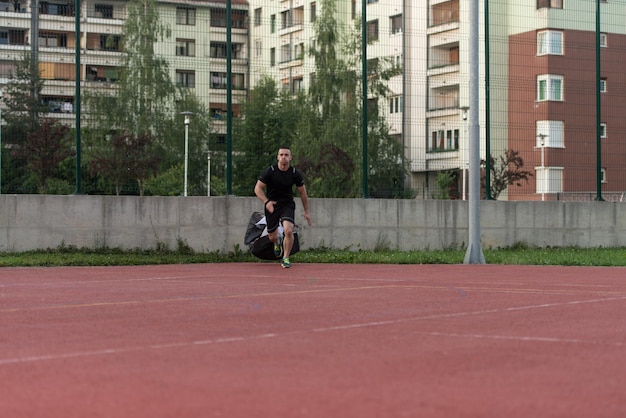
[{"x": 317, "y": 340}]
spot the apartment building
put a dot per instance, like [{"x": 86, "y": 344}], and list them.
[
  {"x": 552, "y": 90},
  {"x": 196, "y": 49},
  {"x": 541, "y": 61}
]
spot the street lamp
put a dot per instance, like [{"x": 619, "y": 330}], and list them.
[
  {"x": 542, "y": 143},
  {"x": 186, "y": 114},
  {"x": 208, "y": 176},
  {"x": 0, "y": 143},
  {"x": 464, "y": 164}
]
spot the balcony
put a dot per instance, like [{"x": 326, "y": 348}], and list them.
[
  {"x": 443, "y": 59},
  {"x": 446, "y": 97},
  {"x": 444, "y": 13}
]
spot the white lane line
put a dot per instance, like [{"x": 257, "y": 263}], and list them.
[
  {"x": 524, "y": 338},
  {"x": 471, "y": 313},
  {"x": 110, "y": 351}
]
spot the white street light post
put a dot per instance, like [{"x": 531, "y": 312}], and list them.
[
  {"x": 542, "y": 142},
  {"x": 464, "y": 164},
  {"x": 186, "y": 114},
  {"x": 0, "y": 144},
  {"x": 208, "y": 176}
]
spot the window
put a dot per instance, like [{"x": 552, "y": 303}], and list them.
[
  {"x": 372, "y": 66},
  {"x": 444, "y": 140},
  {"x": 57, "y": 9},
  {"x": 257, "y": 17},
  {"x": 603, "y": 40},
  {"x": 219, "y": 80},
  {"x": 104, "y": 11},
  {"x": 110, "y": 42},
  {"x": 52, "y": 39},
  {"x": 553, "y": 4},
  {"x": 552, "y": 133},
  {"x": 285, "y": 53},
  {"x": 549, "y": 87},
  {"x": 292, "y": 85},
  {"x": 185, "y": 16},
  {"x": 273, "y": 24},
  {"x": 258, "y": 48},
  {"x": 395, "y": 104},
  {"x": 186, "y": 78},
  {"x": 372, "y": 108},
  {"x": 219, "y": 50},
  {"x": 285, "y": 18},
  {"x": 549, "y": 179},
  {"x": 396, "y": 24},
  {"x": 12, "y": 37},
  {"x": 299, "y": 51},
  {"x": 550, "y": 42},
  {"x": 313, "y": 11},
  {"x": 273, "y": 57},
  {"x": 372, "y": 30},
  {"x": 185, "y": 47},
  {"x": 603, "y": 85},
  {"x": 239, "y": 18}
]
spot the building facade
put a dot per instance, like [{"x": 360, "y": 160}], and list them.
[
  {"x": 195, "y": 49},
  {"x": 539, "y": 55}
]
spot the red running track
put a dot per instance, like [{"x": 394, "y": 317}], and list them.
[{"x": 317, "y": 340}]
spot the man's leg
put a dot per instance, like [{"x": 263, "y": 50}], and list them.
[
  {"x": 287, "y": 238},
  {"x": 272, "y": 221}
]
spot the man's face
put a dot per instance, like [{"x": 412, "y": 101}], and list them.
[{"x": 284, "y": 156}]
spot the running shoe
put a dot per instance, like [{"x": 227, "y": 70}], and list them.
[
  {"x": 286, "y": 264},
  {"x": 278, "y": 248}
]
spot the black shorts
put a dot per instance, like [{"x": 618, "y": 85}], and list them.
[{"x": 282, "y": 211}]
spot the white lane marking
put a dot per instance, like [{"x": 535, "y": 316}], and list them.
[{"x": 222, "y": 340}]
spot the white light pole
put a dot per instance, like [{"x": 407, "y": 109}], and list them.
[
  {"x": 464, "y": 164},
  {"x": 542, "y": 142},
  {"x": 208, "y": 176},
  {"x": 186, "y": 114},
  {"x": 0, "y": 143}
]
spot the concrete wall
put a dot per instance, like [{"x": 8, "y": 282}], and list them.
[{"x": 30, "y": 222}]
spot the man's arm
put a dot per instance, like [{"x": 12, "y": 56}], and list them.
[
  {"x": 259, "y": 191},
  {"x": 305, "y": 203}
]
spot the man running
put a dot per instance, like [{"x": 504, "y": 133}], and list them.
[{"x": 275, "y": 189}]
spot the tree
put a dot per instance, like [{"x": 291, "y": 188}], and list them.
[
  {"x": 22, "y": 96},
  {"x": 337, "y": 95},
  {"x": 387, "y": 166},
  {"x": 335, "y": 164},
  {"x": 330, "y": 72},
  {"x": 272, "y": 120},
  {"x": 171, "y": 146},
  {"x": 144, "y": 91},
  {"x": 507, "y": 171},
  {"x": 445, "y": 179},
  {"x": 129, "y": 158},
  {"x": 145, "y": 87},
  {"x": 140, "y": 106},
  {"x": 44, "y": 150},
  {"x": 323, "y": 126}
]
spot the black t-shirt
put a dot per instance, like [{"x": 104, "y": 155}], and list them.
[{"x": 280, "y": 183}]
